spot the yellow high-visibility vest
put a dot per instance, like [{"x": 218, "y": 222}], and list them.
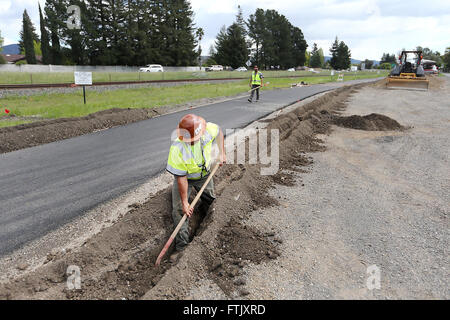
[
  {"x": 256, "y": 78},
  {"x": 193, "y": 161}
]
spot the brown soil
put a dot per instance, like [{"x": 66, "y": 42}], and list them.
[
  {"x": 41, "y": 132},
  {"x": 119, "y": 261},
  {"x": 371, "y": 122},
  {"x": 237, "y": 245}
]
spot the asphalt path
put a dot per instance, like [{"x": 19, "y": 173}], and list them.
[{"x": 44, "y": 187}]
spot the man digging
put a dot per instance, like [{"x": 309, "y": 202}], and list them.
[{"x": 190, "y": 158}]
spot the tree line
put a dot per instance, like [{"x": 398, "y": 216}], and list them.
[
  {"x": 441, "y": 60},
  {"x": 113, "y": 32},
  {"x": 266, "y": 39}
]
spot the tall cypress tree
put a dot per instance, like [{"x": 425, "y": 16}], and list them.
[
  {"x": 231, "y": 45},
  {"x": 99, "y": 32},
  {"x": 178, "y": 34},
  {"x": 299, "y": 47},
  {"x": 334, "y": 61},
  {"x": 278, "y": 43},
  {"x": 340, "y": 55},
  {"x": 28, "y": 38},
  {"x": 314, "y": 62},
  {"x": 255, "y": 25},
  {"x": 55, "y": 11},
  {"x": 344, "y": 56},
  {"x": 45, "y": 41}
]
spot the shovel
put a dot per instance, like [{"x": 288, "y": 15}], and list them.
[
  {"x": 194, "y": 202},
  {"x": 258, "y": 87}
]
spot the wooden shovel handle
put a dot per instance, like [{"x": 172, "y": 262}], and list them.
[{"x": 194, "y": 202}]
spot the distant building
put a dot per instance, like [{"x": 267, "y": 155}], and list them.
[
  {"x": 430, "y": 66},
  {"x": 14, "y": 58}
]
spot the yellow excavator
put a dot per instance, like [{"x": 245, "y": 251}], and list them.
[{"x": 409, "y": 73}]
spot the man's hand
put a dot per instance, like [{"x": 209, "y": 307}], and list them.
[{"x": 186, "y": 209}]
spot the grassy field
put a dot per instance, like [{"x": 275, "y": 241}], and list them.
[
  {"x": 11, "y": 123},
  {"x": 52, "y": 106},
  {"x": 67, "y": 77}
]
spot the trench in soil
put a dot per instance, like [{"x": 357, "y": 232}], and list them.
[{"x": 119, "y": 261}]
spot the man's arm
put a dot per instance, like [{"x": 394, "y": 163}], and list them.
[{"x": 183, "y": 189}]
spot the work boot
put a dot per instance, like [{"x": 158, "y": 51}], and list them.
[{"x": 175, "y": 257}]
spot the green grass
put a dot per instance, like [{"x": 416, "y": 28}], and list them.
[
  {"x": 67, "y": 77},
  {"x": 10, "y": 123},
  {"x": 66, "y": 105}
]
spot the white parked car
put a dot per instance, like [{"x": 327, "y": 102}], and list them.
[
  {"x": 291, "y": 69},
  {"x": 216, "y": 67},
  {"x": 152, "y": 68},
  {"x": 241, "y": 69}
]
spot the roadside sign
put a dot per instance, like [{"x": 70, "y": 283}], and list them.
[
  {"x": 83, "y": 78},
  {"x": 248, "y": 63},
  {"x": 332, "y": 72}
]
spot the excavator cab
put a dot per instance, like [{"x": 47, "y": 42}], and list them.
[{"x": 409, "y": 73}]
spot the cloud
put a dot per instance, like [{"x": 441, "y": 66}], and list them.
[
  {"x": 368, "y": 27},
  {"x": 11, "y": 17}
]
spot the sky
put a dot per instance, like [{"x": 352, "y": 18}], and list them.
[{"x": 368, "y": 27}]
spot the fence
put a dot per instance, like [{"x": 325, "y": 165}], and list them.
[{"x": 35, "y": 68}]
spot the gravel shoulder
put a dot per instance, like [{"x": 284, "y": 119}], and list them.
[{"x": 372, "y": 198}]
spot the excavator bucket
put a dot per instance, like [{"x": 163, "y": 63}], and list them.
[{"x": 407, "y": 82}]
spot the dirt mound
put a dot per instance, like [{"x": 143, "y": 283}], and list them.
[
  {"x": 41, "y": 132},
  {"x": 371, "y": 122},
  {"x": 119, "y": 261}
]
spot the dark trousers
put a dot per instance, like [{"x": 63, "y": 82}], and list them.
[
  {"x": 253, "y": 91},
  {"x": 182, "y": 238}
]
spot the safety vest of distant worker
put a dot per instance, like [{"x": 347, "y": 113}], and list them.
[
  {"x": 191, "y": 152},
  {"x": 256, "y": 78}
]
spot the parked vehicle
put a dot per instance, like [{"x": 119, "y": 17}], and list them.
[
  {"x": 152, "y": 68},
  {"x": 241, "y": 69},
  {"x": 216, "y": 67},
  {"x": 291, "y": 69}
]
